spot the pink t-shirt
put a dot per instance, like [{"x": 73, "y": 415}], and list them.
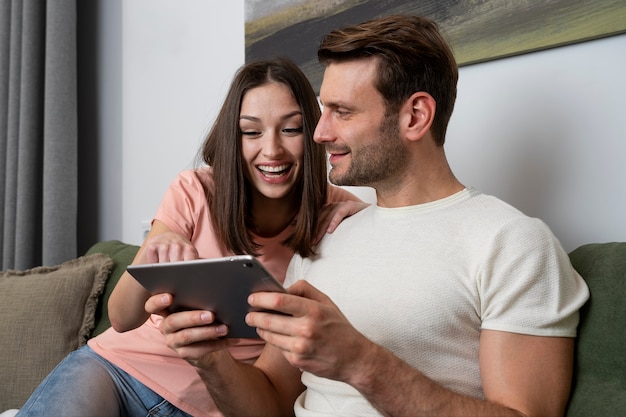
[{"x": 142, "y": 352}]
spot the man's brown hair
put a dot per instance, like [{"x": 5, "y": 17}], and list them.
[{"x": 412, "y": 56}]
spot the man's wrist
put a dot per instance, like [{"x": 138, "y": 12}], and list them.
[{"x": 369, "y": 369}]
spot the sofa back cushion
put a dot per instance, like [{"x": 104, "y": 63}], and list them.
[{"x": 599, "y": 387}]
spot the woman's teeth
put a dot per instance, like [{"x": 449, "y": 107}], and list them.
[{"x": 273, "y": 170}]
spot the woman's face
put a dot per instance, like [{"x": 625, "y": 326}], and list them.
[{"x": 272, "y": 139}]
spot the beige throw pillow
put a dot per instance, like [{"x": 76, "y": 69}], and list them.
[{"x": 45, "y": 313}]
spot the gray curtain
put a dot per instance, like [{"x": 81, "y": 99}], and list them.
[{"x": 38, "y": 132}]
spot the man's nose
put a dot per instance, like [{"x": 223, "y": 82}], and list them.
[{"x": 322, "y": 132}]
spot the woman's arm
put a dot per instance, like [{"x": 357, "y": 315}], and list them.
[
  {"x": 270, "y": 387},
  {"x": 127, "y": 301}
]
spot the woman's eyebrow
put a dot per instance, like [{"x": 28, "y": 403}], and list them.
[
  {"x": 251, "y": 118},
  {"x": 290, "y": 115},
  {"x": 284, "y": 117}
]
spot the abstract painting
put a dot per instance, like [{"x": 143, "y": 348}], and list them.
[{"x": 478, "y": 30}]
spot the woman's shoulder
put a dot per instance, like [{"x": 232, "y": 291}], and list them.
[{"x": 197, "y": 177}]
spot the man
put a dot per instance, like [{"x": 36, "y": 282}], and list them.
[{"x": 438, "y": 300}]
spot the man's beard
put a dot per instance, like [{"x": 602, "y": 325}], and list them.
[{"x": 378, "y": 161}]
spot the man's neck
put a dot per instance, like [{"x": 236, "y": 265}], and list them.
[{"x": 421, "y": 183}]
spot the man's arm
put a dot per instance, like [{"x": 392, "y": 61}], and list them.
[
  {"x": 269, "y": 388},
  {"x": 521, "y": 375},
  {"x": 539, "y": 369}
]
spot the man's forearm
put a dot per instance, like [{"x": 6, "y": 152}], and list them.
[
  {"x": 412, "y": 394},
  {"x": 240, "y": 389}
]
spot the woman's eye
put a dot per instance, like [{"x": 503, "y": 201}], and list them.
[
  {"x": 250, "y": 133},
  {"x": 293, "y": 130}
]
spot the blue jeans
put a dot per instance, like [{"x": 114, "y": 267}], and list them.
[{"x": 86, "y": 385}]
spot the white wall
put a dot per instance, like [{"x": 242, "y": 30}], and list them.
[
  {"x": 544, "y": 131},
  {"x": 178, "y": 60},
  {"x": 547, "y": 132}
]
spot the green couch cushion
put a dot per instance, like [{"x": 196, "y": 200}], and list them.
[
  {"x": 122, "y": 255},
  {"x": 600, "y": 370}
]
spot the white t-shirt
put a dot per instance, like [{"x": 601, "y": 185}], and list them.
[{"x": 423, "y": 280}]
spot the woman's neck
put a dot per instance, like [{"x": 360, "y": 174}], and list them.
[{"x": 269, "y": 217}]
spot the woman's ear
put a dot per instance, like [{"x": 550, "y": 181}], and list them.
[{"x": 417, "y": 114}]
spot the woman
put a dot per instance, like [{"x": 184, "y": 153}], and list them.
[{"x": 264, "y": 192}]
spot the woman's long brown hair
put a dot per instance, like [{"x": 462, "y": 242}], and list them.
[{"x": 230, "y": 203}]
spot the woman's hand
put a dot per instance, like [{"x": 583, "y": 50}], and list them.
[
  {"x": 333, "y": 213},
  {"x": 167, "y": 246},
  {"x": 194, "y": 335}
]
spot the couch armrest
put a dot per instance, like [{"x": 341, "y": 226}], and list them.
[
  {"x": 599, "y": 386},
  {"x": 122, "y": 255}
]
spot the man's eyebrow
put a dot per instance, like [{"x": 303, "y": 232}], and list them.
[{"x": 335, "y": 104}]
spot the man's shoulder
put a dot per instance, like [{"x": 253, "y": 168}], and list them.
[
  {"x": 352, "y": 223},
  {"x": 491, "y": 207}
]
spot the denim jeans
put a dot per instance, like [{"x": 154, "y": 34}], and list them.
[{"x": 86, "y": 385}]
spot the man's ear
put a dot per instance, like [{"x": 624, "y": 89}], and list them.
[{"x": 417, "y": 114}]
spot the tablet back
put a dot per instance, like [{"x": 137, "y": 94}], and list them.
[{"x": 220, "y": 285}]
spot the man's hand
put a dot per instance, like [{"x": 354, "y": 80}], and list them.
[{"x": 315, "y": 336}]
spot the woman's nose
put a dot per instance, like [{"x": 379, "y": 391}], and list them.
[{"x": 273, "y": 144}]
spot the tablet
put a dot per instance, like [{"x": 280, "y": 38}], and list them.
[{"x": 220, "y": 285}]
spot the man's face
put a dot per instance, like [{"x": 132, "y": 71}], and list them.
[{"x": 363, "y": 143}]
